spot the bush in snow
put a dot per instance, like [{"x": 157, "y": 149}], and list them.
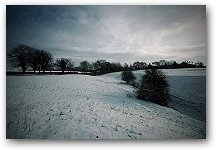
[
  {"x": 128, "y": 76},
  {"x": 154, "y": 87}
]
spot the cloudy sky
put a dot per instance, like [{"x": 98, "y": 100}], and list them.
[{"x": 115, "y": 33}]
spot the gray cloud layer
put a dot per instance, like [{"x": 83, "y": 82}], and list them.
[{"x": 114, "y": 33}]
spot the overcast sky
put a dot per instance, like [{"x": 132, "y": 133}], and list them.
[{"x": 115, "y": 33}]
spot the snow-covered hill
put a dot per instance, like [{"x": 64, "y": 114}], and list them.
[
  {"x": 89, "y": 107},
  {"x": 187, "y": 89}
]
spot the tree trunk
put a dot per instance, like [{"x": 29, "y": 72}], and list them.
[
  {"x": 23, "y": 69},
  {"x": 39, "y": 68},
  {"x": 63, "y": 69}
]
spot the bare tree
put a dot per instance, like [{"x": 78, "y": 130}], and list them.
[
  {"x": 99, "y": 65},
  {"x": 34, "y": 59},
  {"x": 19, "y": 57},
  {"x": 70, "y": 65},
  {"x": 85, "y": 66},
  {"x": 62, "y": 63},
  {"x": 45, "y": 59}
]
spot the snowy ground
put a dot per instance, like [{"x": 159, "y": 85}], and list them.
[
  {"x": 187, "y": 87},
  {"x": 89, "y": 107}
]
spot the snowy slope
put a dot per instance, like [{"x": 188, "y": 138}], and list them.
[
  {"x": 187, "y": 89},
  {"x": 89, "y": 107}
]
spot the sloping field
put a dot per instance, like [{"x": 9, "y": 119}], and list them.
[
  {"x": 187, "y": 89},
  {"x": 89, "y": 107}
]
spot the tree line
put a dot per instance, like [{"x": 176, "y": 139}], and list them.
[
  {"x": 24, "y": 56},
  {"x": 41, "y": 60}
]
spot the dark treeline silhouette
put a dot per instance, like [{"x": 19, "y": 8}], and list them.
[
  {"x": 28, "y": 57},
  {"x": 163, "y": 64},
  {"x": 64, "y": 64},
  {"x": 24, "y": 56}
]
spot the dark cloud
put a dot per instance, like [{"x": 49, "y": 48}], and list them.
[{"x": 115, "y": 33}]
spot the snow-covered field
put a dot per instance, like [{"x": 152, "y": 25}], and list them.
[{"x": 91, "y": 107}]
